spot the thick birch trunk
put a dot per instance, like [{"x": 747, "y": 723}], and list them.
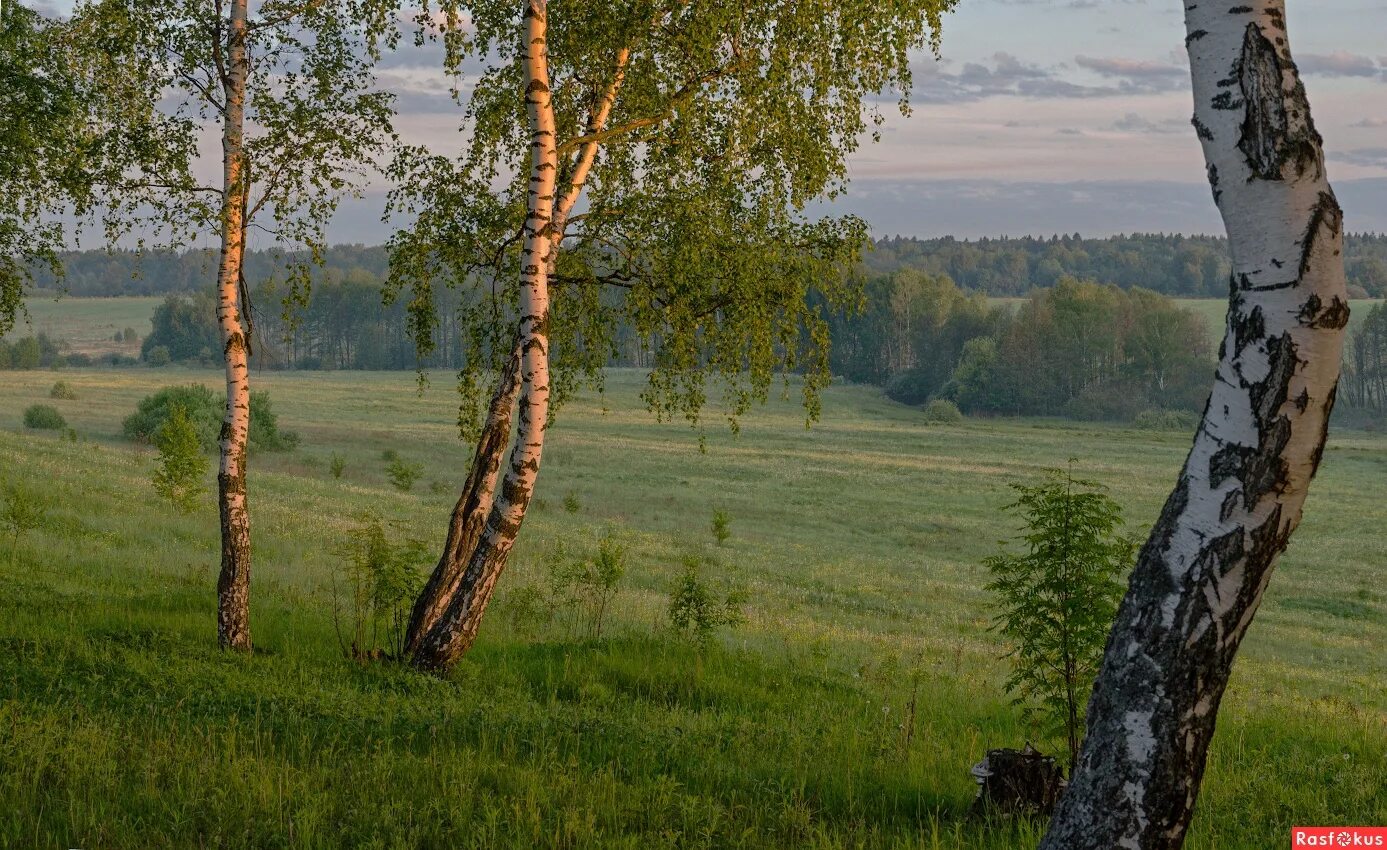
[
  {"x": 1200, "y": 578},
  {"x": 456, "y": 629},
  {"x": 233, "y": 585},
  {"x": 472, "y": 508}
]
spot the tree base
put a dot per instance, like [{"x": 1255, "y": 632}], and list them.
[{"x": 1015, "y": 782}]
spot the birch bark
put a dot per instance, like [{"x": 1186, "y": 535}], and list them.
[
  {"x": 456, "y": 628},
  {"x": 233, "y": 583},
  {"x": 1201, "y": 576}
]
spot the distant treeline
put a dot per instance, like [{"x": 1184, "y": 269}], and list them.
[{"x": 1182, "y": 266}]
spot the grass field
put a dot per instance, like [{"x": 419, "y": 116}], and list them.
[
  {"x": 89, "y": 325},
  {"x": 860, "y": 543}
]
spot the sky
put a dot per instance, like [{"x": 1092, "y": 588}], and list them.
[
  {"x": 1049, "y": 116},
  {"x": 1042, "y": 116}
]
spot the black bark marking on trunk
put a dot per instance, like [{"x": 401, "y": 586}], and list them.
[{"x": 1326, "y": 214}]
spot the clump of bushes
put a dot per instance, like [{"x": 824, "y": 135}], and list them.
[
  {"x": 205, "y": 410},
  {"x": 158, "y": 356},
  {"x": 912, "y": 386},
  {"x": 62, "y": 391},
  {"x": 581, "y": 588},
  {"x": 44, "y": 417},
  {"x": 942, "y": 412},
  {"x": 1166, "y": 420},
  {"x": 722, "y": 526},
  {"x": 22, "y": 512}
]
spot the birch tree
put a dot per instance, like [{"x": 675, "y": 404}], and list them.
[
  {"x": 286, "y": 87},
  {"x": 41, "y": 140},
  {"x": 656, "y": 156},
  {"x": 1201, "y": 576}
]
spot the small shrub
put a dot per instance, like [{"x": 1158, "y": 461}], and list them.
[
  {"x": 45, "y": 417},
  {"x": 158, "y": 356},
  {"x": 336, "y": 465},
  {"x": 571, "y": 503},
  {"x": 182, "y": 465},
  {"x": 23, "y": 512},
  {"x": 722, "y": 526},
  {"x": 62, "y": 391},
  {"x": 587, "y": 585},
  {"x": 438, "y": 487},
  {"x": 389, "y": 455},
  {"x": 942, "y": 412},
  {"x": 1166, "y": 420},
  {"x": 383, "y": 576},
  {"x": 1056, "y": 602},
  {"x": 698, "y": 610},
  {"x": 912, "y": 386},
  {"x": 404, "y": 473}
]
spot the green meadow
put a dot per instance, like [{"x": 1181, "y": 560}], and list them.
[{"x": 845, "y": 712}]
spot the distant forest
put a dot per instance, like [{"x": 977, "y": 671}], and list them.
[
  {"x": 1179, "y": 266},
  {"x": 1098, "y": 337}
]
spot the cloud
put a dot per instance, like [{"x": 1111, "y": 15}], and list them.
[
  {"x": 1371, "y": 123},
  {"x": 1135, "y": 76},
  {"x": 1364, "y": 157},
  {"x": 1340, "y": 63},
  {"x": 1134, "y": 123}
]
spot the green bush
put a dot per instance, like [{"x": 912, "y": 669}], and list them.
[
  {"x": 62, "y": 390},
  {"x": 404, "y": 473},
  {"x": 1166, "y": 420},
  {"x": 942, "y": 412},
  {"x": 182, "y": 464},
  {"x": 44, "y": 416},
  {"x": 337, "y": 464},
  {"x": 722, "y": 526},
  {"x": 913, "y": 386},
  {"x": 697, "y": 609},
  {"x": 158, "y": 356},
  {"x": 205, "y": 410},
  {"x": 383, "y": 575},
  {"x": 23, "y": 511}
]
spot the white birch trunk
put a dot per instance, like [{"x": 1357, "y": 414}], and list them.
[
  {"x": 233, "y": 584},
  {"x": 1201, "y": 576},
  {"x": 454, "y": 631}
]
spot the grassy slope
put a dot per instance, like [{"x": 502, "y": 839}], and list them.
[{"x": 860, "y": 541}]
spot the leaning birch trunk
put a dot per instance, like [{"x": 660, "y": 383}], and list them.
[
  {"x": 455, "y": 630},
  {"x": 233, "y": 584},
  {"x": 472, "y": 508},
  {"x": 1201, "y": 576}
]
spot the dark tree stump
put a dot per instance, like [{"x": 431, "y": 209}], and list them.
[{"x": 1017, "y": 782}]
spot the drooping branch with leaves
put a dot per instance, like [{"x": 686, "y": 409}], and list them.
[
  {"x": 640, "y": 162},
  {"x": 288, "y": 87}
]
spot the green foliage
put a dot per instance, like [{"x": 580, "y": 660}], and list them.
[
  {"x": 382, "y": 575},
  {"x": 205, "y": 410},
  {"x": 1056, "y": 602},
  {"x": 571, "y": 503},
  {"x": 697, "y": 609},
  {"x": 23, "y": 512},
  {"x": 722, "y": 526},
  {"x": 1166, "y": 420},
  {"x": 182, "y": 464},
  {"x": 403, "y": 473},
  {"x": 942, "y": 412},
  {"x": 729, "y": 120},
  {"x": 1364, "y": 384},
  {"x": 183, "y": 328},
  {"x": 62, "y": 391},
  {"x": 44, "y": 417},
  {"x": 337, "y": 464}
]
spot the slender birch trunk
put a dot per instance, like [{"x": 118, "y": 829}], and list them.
[
  {"x": 233, "y": 584},
  {"x": 1200, "y": 578},
  {"x": 456, "y": 629},
  {"x": 475, "y": 553}
]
